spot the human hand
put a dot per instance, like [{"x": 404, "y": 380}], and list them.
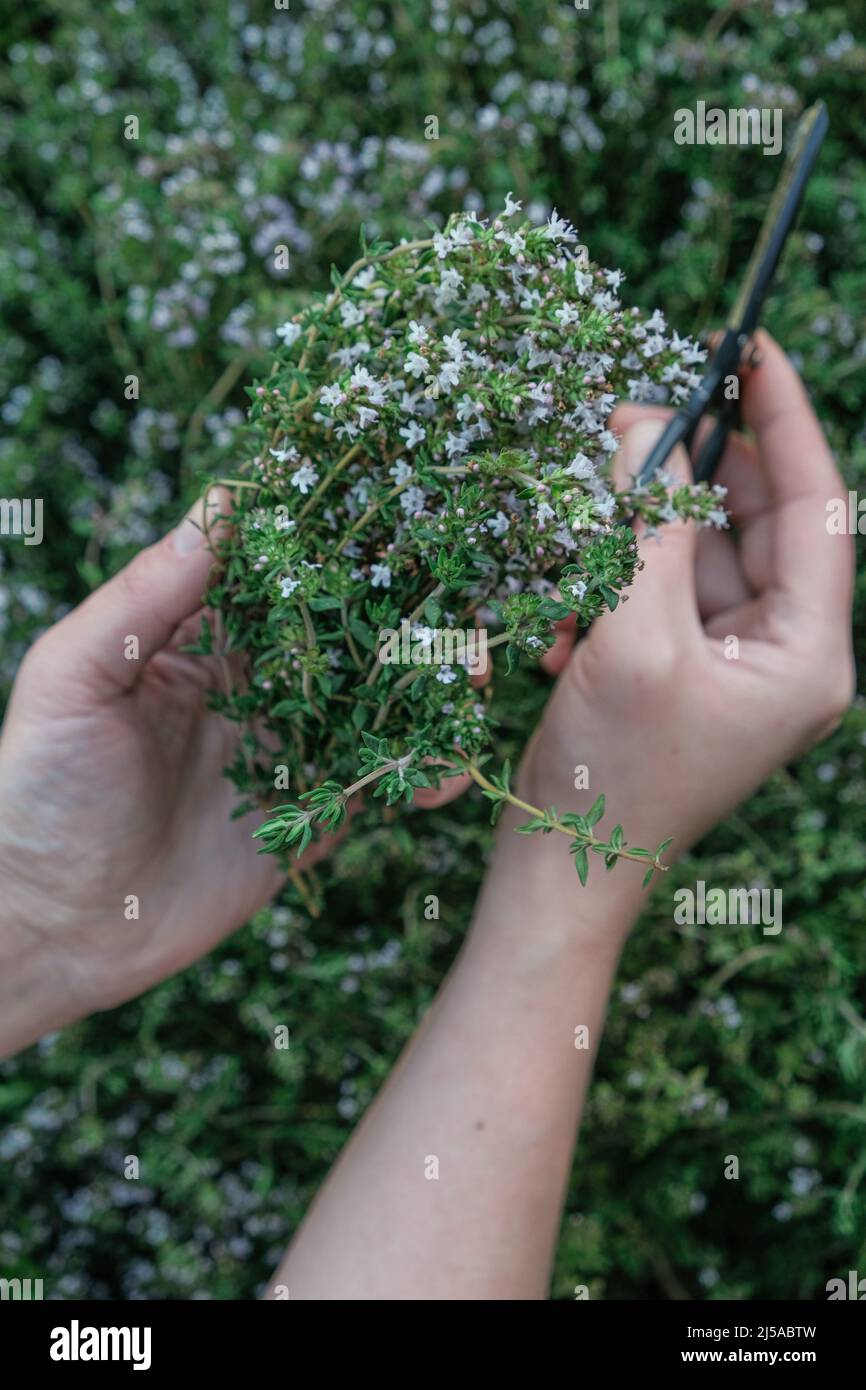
[
  {"x": 675, "y": 731},
  {"x": 112, "y": 797}
]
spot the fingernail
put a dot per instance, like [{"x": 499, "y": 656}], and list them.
[
  {"x": 205, "y": 523},
  {"x": 189, "y": 535},
  {"x": 640, "y": 438},
  {"x": 639, "y": 442}
]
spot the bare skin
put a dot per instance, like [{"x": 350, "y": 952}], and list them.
[{"x": 492, "y": 1086}]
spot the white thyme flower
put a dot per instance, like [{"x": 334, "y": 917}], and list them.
[
  {"x": 289, "y": 332},
  {"x": 499, "y": 525},
  {"x": 694, "y": 355},
  {"x": 380, "y": 576},
  {"x": 332, "y": 395},
  {"x": 414, "y": 499},
  {"x": 654, "y": 345},
  {"x": 361, "y": 380},
  {"x": 581, "y": 466},
  {"x": 512, "y": 205},
  {"x": 425, "y": 635},
  {"x": 304, "y": 477},
  {"x": 453, "y": 346},
  {"x": 351, "y": 314},
  {"x": 605, "y": 301},
  {"x": 558, "y": 229},
  {"x": 467, "y": 407},
  {"x": 448, "y": 289},
  {"x": 400, "y": 472},
  {"x": 449, "y": 375},
  {"x": 416, "y": 365},
  {"x": 567, "y": 314},
  {"x": 413, "y": 434},
  {"x": 417, "y": 333},
  {"x": 288, "y": 587},
  {"x": 446, "y": 675},
  {"x": 462, "y": 233}
]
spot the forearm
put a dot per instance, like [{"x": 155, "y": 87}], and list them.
[{"x": 488, "y": 1095}]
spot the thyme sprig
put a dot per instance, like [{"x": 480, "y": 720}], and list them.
[
  {"x": 431, "y": 448},
  {"x": 497, "y": 789}
]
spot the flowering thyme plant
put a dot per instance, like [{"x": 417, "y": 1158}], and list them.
[{"x": 433, "y": 450}]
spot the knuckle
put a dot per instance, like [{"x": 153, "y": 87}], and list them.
[{"x": 652, "y": 665}]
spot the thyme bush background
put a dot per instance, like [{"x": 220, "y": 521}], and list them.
[{"x": 155, "y": 257}]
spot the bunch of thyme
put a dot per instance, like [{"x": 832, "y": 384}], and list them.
[{"x": 433, "y": 450}]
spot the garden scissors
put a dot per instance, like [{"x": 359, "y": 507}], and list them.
[{"x": 729, "y": 355}]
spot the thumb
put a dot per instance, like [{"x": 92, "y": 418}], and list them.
[
  {"x": 106, "y": 642},
  {"x": 662, "y": 600}
]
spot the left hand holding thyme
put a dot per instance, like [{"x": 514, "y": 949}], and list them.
[{"x": 119, "y": 860}]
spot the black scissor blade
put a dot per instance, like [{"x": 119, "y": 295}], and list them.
[{"x": 779, "y": 218}]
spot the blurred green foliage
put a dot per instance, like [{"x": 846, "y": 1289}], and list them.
[{"x": 155, "y": 257}]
